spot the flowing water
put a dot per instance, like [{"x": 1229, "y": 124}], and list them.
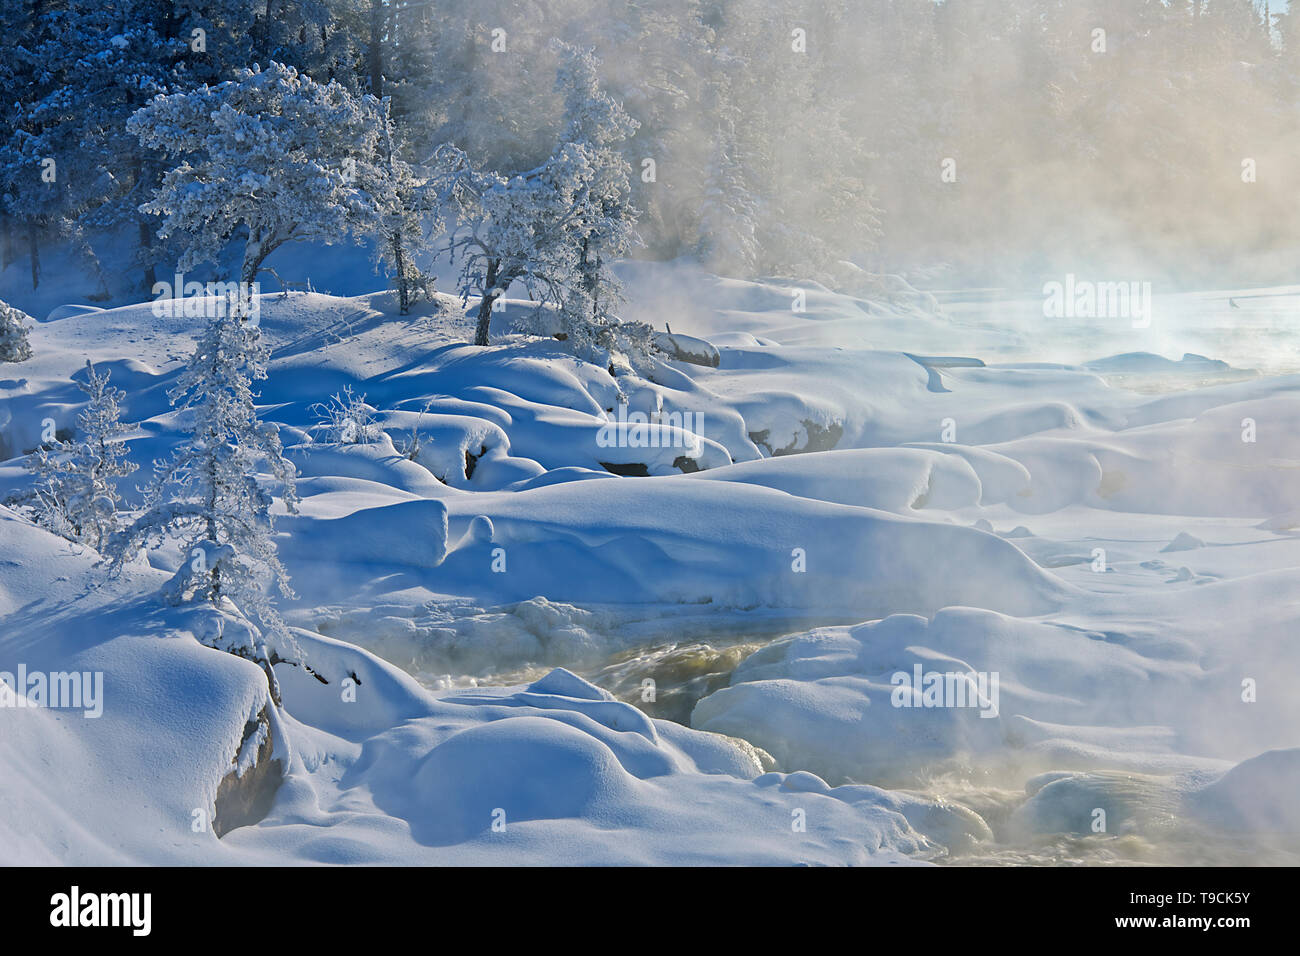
[{"x": 666, "y": 677}]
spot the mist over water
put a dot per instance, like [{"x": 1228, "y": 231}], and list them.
[
  {"x": 1259, "y": 333},
  {"x": 1150, "y": 823}
]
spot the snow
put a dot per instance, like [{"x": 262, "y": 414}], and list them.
[
  {"x": 836, "y": 525},
  {"x": 401, "y": 776}
]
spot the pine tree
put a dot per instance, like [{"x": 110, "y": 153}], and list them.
[
  {"x": 471, "y": 73},
  {"x": 35, "y": 134},
  {"x": 111, "y": 57},
  {"x": 14, "y": 346},
  {"x": 75, "y": 492},
  {"x": 802, "y": 158},
  {"x": 208, "y": 493}
]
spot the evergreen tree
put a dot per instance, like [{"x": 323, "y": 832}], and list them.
[
  {"x": 208, "y": 493},
  {"x": 596, "y": 127},
  {"x": 14, "y": 346},
  {"x": 726, "y": 241},
  {"x": 112, "y": 57},
  {"x": 35, "y": 136},
  {"x": 75, "y": 492},
  {"x": 406, "y": 212}
]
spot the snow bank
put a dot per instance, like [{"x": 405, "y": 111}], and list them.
[
  {"x": 1066, "y": 696},
  {"x": 131, "y": 783}
]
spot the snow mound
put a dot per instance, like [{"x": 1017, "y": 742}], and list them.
[
  {"x": 378, "y": 770},
  {"x": 660, "y": 539},
  {"x": 1097, "y": 802},
  {"x": 1184, "y": 542},
  {"x": 64, "y": 311},
  {"x": 1257, "y": 794},
  {"x": 408, "y": 533},
  {"x": 168, "y": 705}
]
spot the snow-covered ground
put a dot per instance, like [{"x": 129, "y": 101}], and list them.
[{"x": 1100, "y": 531}]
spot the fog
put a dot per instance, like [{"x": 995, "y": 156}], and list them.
[{"x": 986, "y": 142}]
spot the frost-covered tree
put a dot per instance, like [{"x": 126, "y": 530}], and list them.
[
  {"x": 271, "y": 154},
  {"x": 75, "y": 493},
  {"x": 506, "y": 231},
  {"x": 558, "y": 227},
  {"x": 69, "y": 166},
  {"x": 604, "y": 227},
  {"x": 802, "y": 158},
  {"x": 208, "y": 493},
  {"x": 112, "y": 57},
  {"x": 727, "y": 210},
  {"x": 476, "y": 74},
  {"x": 596, "y": 126},
  {"x": 14, "y": 346},
  {"x": 406, "y": 212},
  {"x": 37, "y": 202}
]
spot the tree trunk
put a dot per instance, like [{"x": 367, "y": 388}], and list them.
[
  {"x": 255, "y": 253},
  {"x": 375, "y": 55},
  {"x": 7, "y": 243},
  {"x": 33, "y": 246},
  {"x": 266, "y": 31},
  {"x": 146, "y": 246},
  {"x": 251, "y": 267},
  {"x": 214, "y": 594},
  {"x": 490, "y": 295},
  {"x": 144, "y": 173},
  {"x": 403, "y": 287}
]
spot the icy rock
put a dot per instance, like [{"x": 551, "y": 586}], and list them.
[
  {"x": 804, "y": 782},
  {"x": 246, "y": 793},
  {"x": 687, "y": 348},
  {"x": 1070, "y": 804}
]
